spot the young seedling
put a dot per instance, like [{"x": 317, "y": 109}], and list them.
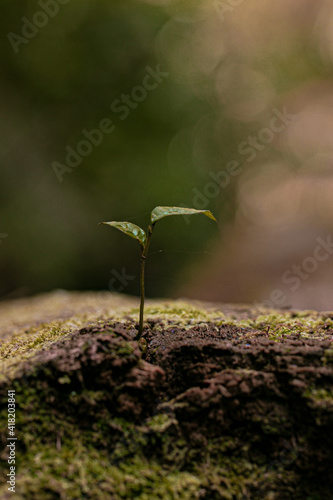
[{"x": 144, "y": 239}]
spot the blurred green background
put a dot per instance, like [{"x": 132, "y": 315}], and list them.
[{"x": 227, "y": 68}]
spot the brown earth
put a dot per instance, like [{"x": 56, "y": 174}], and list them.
[{"x": 246, "y": 415}]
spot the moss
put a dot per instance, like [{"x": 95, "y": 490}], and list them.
[
  {"x": 305, "y": 324},
  {"x": 160, "y": 422},
  {"x": 177, "y": 313},
  {"x": 109, "y": 459},
  {"x": 125, "y": 349},
  {"x": 72, "y": 469},
  {"x": 75, "y": 472},
  {"x": 61, "y": 455},
  {"x": 328, "y": 357},
  {"x": 28, "y": 333},
  {"x": 321, "y": 394},
  {"x": 27, "y": 340}
]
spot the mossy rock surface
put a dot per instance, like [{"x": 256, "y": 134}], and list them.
[{"x": 227, "y": 402}]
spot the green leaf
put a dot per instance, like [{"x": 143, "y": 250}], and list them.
[
  {"x": 160, "y": 212},
  {"x": 130, "y": 229}
]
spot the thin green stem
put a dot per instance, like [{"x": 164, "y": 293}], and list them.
[
  {"x": 144, "y": 251},
  {"x": 142, "y": 295}
]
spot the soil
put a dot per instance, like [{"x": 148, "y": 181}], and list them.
[{"x": 211, "y": 411}]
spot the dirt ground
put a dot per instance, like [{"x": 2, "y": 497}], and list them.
[{"x": 226, "y": 402}]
